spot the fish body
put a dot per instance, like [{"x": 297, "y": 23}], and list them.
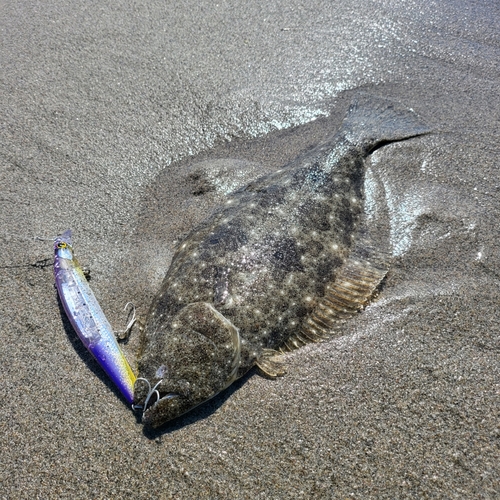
[
  {"x": 87, "y": 317},
  {"x": 285, "y": 259}
]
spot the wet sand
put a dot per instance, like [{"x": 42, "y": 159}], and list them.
[{"x": 108, "y": 111}]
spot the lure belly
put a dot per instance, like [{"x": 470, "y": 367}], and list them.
[{"x": 87, "y": 317}]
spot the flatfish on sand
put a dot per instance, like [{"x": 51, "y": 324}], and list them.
[{"x": 283, "y": 262}]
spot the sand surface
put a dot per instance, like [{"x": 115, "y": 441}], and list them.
[{"x": 107, "y": 109}]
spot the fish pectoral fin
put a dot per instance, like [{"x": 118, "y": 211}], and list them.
[
  {"x": 271, "y": 363},
  {"x": 206, "y": 320}
]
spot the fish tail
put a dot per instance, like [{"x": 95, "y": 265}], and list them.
[{"x": 374, "y": 121}]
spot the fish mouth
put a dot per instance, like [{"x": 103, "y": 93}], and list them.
[{"x": 151, "y": 407}]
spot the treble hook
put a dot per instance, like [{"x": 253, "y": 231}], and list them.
[
  {"x": 123, "y": 335},
  {"x": 151, "y": 391}
]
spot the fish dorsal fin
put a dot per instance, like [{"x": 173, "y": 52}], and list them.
[{"x": 354, "y": 286}]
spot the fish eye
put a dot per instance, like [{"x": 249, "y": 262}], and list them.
[
  {"x": 62, "y": 244},
  {"x": 171, "y": 395},
  {"x": 161, "y": 372}
]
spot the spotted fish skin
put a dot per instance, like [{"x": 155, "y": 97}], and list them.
[{"x": 246, "y": 281}]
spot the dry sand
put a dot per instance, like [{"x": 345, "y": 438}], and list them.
[{"x": 102, "y": 105}]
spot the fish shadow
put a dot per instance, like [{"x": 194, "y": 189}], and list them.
[
  {"x": 199, "y": 413},
  {"x": 85, "y": 355}
]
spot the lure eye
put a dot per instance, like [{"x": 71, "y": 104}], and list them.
[{"x": 62, "y": 245}]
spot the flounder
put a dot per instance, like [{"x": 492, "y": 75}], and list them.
[{"x": 282, "y": 263}]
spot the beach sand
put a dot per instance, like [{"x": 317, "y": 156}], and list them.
[{"x": 107, "y": 110}]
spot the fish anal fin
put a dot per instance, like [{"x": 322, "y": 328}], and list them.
[
  {"x": 354, "y": 286},
  {"x": 271, "y": 364}
]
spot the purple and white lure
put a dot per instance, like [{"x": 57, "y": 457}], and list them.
[{"x": 87, "y": 317}]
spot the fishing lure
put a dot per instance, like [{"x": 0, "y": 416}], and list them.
[{"x": 87, "y": 317}]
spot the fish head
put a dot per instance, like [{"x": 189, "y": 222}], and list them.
[{"x": 196, "y": 357}]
